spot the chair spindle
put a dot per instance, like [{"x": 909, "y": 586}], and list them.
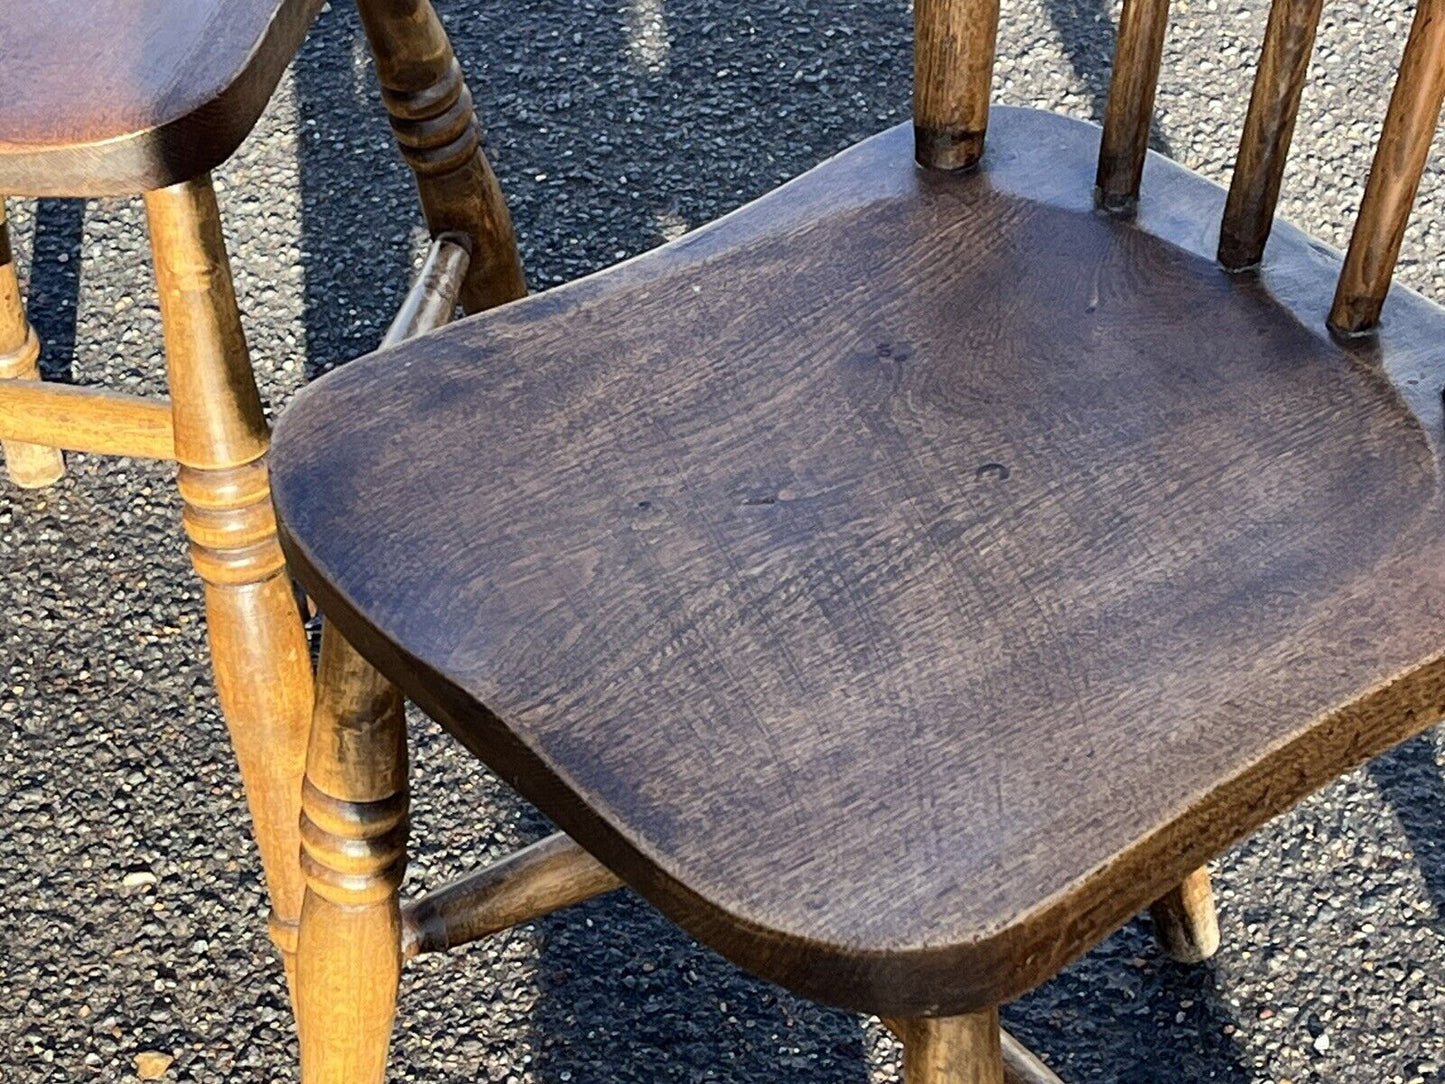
[
  {"x": 1289, "y": 39},
  {"x": 1131, "y": 103},
  {"x": 1395, "y": 174},
  {"x": 952, "y": 74}
]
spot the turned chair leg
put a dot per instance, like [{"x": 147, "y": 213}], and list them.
[
  {"x": 1186, "y": 925},
  {"x": 440, "y": 138},
  {"x": 30, "y": 466},
  {"x": 258, "y": 646},
  {"x": 354, "y": 856}
]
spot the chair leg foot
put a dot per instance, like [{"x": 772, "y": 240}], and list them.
[
  {"x": 353, "y": 836},
  {"x": 30, "y": 466},
  {"x": 1186, "y": 925},
  {"x": 258, "y": 645}
]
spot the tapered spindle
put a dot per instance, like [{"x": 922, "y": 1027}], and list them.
[
  {"x": 1289, "y": 39},
  {"x": 1131, "y": 103},
  {"x": 1395, "y": 174},
  {"x": 952, "y": 75}
]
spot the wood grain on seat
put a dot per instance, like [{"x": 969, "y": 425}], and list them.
[
  {"x": 906, "y": 579},
  {"x": 116, "y": 97}
]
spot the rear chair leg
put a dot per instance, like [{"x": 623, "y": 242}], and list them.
[
  {"x": 30, "y": 466},
  {"x": 438, "y": 134},
  {"x": 353, "y": 837},
  {"x": 258, "y": 646},
  {"x": 1185, "y": 922}
]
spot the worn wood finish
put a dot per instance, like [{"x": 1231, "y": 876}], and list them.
[
  {"x": 117, "y": 97},
  {"x": 354, "y": 856},
  {"x": 440, "y": 138},
  {"x": 1135, "y": 78},
  {"x": 31, "y": 466},
  {"x": 1289, "y": 38},
  {"x": 1395, "y": 174},
  {"x": 1185, "y": 923},
  {"x": 1007, "y": 561},
  {"x": 551, "y": 874},
  {"x": 952, "y": 1050},
  {"x": 91, "y": 420},
  {"x": 258, "y": 647},
  {"x": 432, "y": 299},
  {"x": 952, "y": 76}
]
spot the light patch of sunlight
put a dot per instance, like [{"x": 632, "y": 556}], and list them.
[
  {"x": 648, "y": 42},
  {"x": 670, "y": 225},
  {"x": 362, "y": 85},
  {"x": 882, "y": 1053}
]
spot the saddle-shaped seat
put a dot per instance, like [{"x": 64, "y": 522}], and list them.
[{"x": 907, "y": 578}]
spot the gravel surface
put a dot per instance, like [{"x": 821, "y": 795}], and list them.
[{"x": 129, "y": 885}]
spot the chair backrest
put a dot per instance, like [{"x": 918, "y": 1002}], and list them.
[{"x": 953, "y": 62}]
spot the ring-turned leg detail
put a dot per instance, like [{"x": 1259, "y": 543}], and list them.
[
  {"x": 353, "y": 834},
  {"x": 258, "y": 646}
]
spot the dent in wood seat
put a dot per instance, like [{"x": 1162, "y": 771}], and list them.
[
  {"x": 118, "y": 97},
  {"x": 907, "y": 579}
]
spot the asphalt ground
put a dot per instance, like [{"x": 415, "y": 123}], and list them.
[{"x": 129, "y": 892}]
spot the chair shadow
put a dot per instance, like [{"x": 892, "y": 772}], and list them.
[
  {"x": 53, "y": 299},
  {"x": 1412, "y": 785},
  {"x": 626, "y": 996},
  {"x": 1128, "y": 1014},
  {"x": 359, "y": 215}
]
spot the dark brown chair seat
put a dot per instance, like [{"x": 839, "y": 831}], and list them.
[
  {"x": 906, "y": 579},
  {"x": 116, "y": 97}
]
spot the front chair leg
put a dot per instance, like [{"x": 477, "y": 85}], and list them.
[
  {"x": 1186, "y": 925},
  {"x": 258, "y": 645},
  {"x": 952, "y": 1049},
  {"x": 31, "y": 466},
  {"x": 438, "y": 134},
  {"x": 353, "y": 837}
]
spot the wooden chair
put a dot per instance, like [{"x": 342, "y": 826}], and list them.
[
  {"x": 901, "y": 581},
  {"x": 167, "y": 91}
]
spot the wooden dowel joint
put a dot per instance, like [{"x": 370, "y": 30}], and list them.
[
  {"x": 547, "y": 876},
  {"x": 432, "y": 299},
  {"x": 1125, "y": 142},
  {"x": 1264, "y": 143},
  {"x": 953, "y": 57},
  {"x": 1400, "y": 156}
]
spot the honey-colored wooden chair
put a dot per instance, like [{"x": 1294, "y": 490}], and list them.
[
  {"x": 123, "y": 97},
  {"x": 901, "y": 581}
]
